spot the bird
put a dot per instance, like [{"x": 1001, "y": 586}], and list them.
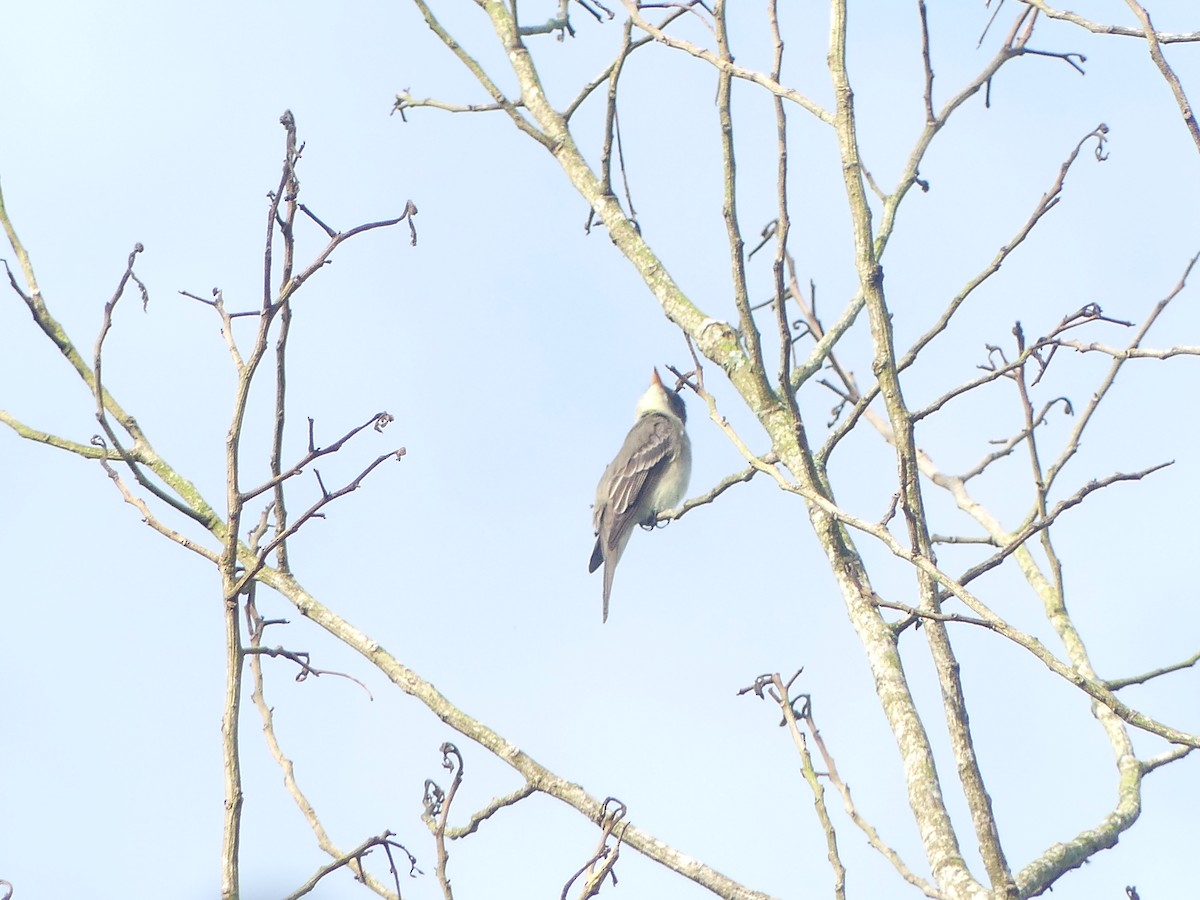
[{"x": 648, "y": 475}]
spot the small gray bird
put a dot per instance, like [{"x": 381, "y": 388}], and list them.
[{"x": 650, "y": 474}]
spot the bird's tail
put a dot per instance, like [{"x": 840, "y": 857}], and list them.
[
  {"x": 610, "y": 567},
  {"x": 597, "y": 557}
]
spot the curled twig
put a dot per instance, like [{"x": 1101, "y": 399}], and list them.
[
  {"x": 437, "y": 811},
  {"x": 601, "y": 864},
  {"x": 301, "y": 659},
  {"x": 353, "y": 859}
]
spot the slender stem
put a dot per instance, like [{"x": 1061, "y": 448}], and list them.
[
  {"x": 941, "y": 840},
  {"x": 729, "y": 207},
  {"x": 230, "y": 747}
]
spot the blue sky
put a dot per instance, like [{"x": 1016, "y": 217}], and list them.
[{"x": 511, "y": 347}]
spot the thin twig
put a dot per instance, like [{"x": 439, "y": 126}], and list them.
[
  {"x": 1165, "y": 758},
  {"x": 257, "y": 625},
  {"x": 495, "y": 805},
  {"x": 313, "y": 511},
  {"x": 1115, "y": 684},
  {"x": 716, "y": 491},
  {"x": 1085, "y": 417},
  {"x": 729, "y": 206},
  {"x": 510, "y": 107},
  {"x": 437, "y": 811},
  {"x": 104, "y": 455},
  {"x": 1048, "y": 201},
  {"x": 1152, "y": 43},
  {"x": 1124, "y": 353},
  {"x": 379, "y": 420},
  {"x": 930, "y": 118},
  {"x": 601, "y": 865},
  {"x": 612, "y": 128},
  {"x": 353, "y": 859},
  {"x": 1039, "y": 524},
  {"x": 857, "y": 818},
  {"x": 605, "y": 76},
  {"x": 406, "y": 101},
  {"x": 1163, "y": 37},
  {"x": 773, "y": 686},
  {"x": 725, "y": 65}
]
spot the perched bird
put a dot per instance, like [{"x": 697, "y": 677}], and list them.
[{"x": 648, "y": 475}]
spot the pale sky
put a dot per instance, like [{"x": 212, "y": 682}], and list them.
[{"x": 511, "y": 348}]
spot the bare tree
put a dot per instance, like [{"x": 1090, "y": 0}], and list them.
[
  {"x": 808, "y": 352},
  {"x": 783, "y": 359}
]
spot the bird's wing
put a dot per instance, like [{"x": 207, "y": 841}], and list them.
[{"x": 651, "y": 442}]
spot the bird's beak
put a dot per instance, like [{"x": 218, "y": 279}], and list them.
[{"x": 654, "y": 379}]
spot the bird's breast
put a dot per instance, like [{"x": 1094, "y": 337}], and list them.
[{"x": 672, "y": 483}]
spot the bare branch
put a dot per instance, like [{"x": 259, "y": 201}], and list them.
[
  {"x": 1115, "y": 684},
  {"x": 548, "y": 783},
  {"x": 313, "y": 511},
  {"x": 1048, "y": 201},
  {"x": 510, "y": 107},
  {"x": 302, "y": 659},
  {"x": 353, "y": 859},
  {"x": 437, "y": 811},
  {"x": 294, "y": 283},
  {"x": 601, "y": 864},
  {"x": 1090, "y": 685},
  {"x": 1170, "y": 756},
  {"x": 1124, "y": 353},
  {"x": 778, "y": 692},
  {"x": 218, "y": 304},
  {"x": 606, "y": 75},
  {"x": 726, "y": 66},
  {"x": 612, "y": 129},
  {"x": 406, "y": 101},
  {"x": 717, "y": 490},
  {"x": 782, "y": 267},
  {"x": 379, "y": 420},
  {"x": 1161, "y": 37},
  {"x": 1152, "y": 42},
  {"x": 494, "y": 806},
  {"x": 857, "y": 818},
  {"x": 911, "y": 612},
  {"x": 104, "y": 455},
  {"x": 930, "y": 118},
  {"x": 1073, "y": 441},
  {"x": 1039, "y": 524},
  {"x": 131, "y": 458},
  {"x": 938, "y": 835},
  {"x": 87, "y": 451}
]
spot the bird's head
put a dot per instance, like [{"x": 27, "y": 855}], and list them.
[{"x": 660, "y": 399}]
